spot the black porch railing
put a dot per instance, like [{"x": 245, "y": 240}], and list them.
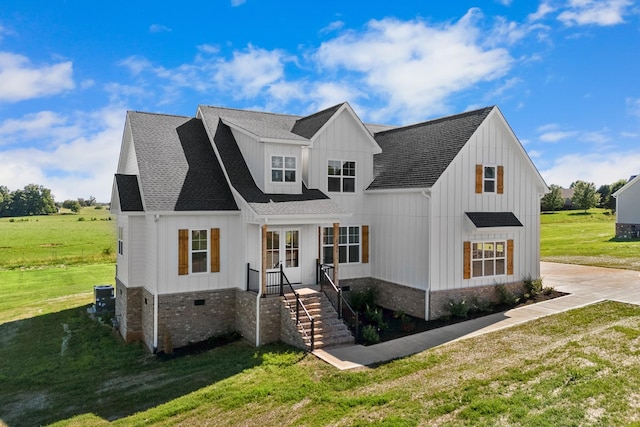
[
  {"x": 334, "y": 293},
  {"x": 253, "y": 279}
]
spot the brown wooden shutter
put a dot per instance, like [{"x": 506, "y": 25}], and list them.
[
  {"x": 467, "y": 261},
  {"x": 500, "y": 179},
  {"x": 215, "y": 250},
  {"x": 478, "y": 179},
  {"x": 365, "y": 244},
  {"x": 509, "y": 256},
  {"x": 183, "y": 252}
]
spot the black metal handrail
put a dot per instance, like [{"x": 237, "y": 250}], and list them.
[
  {"x": 333, "y": 292},
  {"x": 299, "y": 305},
  {"x": 253, "y": 279}
]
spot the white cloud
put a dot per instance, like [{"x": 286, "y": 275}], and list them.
[
  {"x": 236, "y": 3},
  {"x": 595, "y": 12},
  {"x": 592, "y": 167},
  {"x": 633, "y": 106},
  {"x": 334, "y": 26},
  {"x": 79, "y": 165},
  {"x": 159, "y": 28},
  {"x": 19, "y": 80},
  {"x": 543, "y": 10},
  {"x": 414, "y": 66},
  {"x": 555, "y": 136}
]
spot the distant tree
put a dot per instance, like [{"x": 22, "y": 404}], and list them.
[
  {"x": 611, "y": 201},
  {"x": 5, "y": 201},
  {"x": 553, "y": 200},
  {"x": 604, "y": 191},
  {"x": 584, "y": 195},
  {"x": 73, "y": 205}
]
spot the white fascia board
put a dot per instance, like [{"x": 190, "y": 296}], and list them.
[
  {"x": 286, "y": 141},
  {"x": 626, "y": 186},
  {"x": 193, "y": 213},
  {"x": 299, "y": 219},
  {"x": 426, "y": 190}
]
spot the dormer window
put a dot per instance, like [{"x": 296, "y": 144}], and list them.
[
  {"x": 341, "y": 176},
  {"x": 283, "y": 169}
]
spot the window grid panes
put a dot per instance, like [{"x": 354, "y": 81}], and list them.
[
  {"x": 348, "y": 245},
  {"x": 120, "y": 241},
  {"x": 489, "y": 179},
  {"x": 273, "y": 249},
  {"x": 199, "y": 251},
  {"x": 283, "y": 169},
  {"x": 488, "y": 258},
  {"x": 341, "y": 176},
  {"x": 292, "y": 248}
]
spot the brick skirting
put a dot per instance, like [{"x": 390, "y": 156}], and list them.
[
  {"x": 627, "y": 231},
  {"x": 439, "y": 300},
  {"x": 391, "y": 295}
]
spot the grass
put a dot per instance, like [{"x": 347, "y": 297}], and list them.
[
  {"x": 574, "y": 237},
  {"x": 576, "y": 368},
  {"x": 62, "y": 239}
]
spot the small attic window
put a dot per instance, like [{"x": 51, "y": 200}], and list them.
[{"x": 283, "y": 169}]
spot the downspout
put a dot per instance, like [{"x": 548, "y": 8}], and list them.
[
  {"x": 259, "y": 290},
  {"x": 155, "y": 297},
  {"x": 427, "y": 293}
]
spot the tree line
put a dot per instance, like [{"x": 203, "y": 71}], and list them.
[
  {"x": 585, "y": 196},
  {"x": 35, "y": 199}
]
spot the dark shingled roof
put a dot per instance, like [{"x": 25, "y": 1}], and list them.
[
  {"x": 309, "y": 125},
  {"x": 129, "y": 193},
  {"x": 416, "y": 156},
  {"x": 241, "y": 178},
  {"x": 494, "y": 219},
  {"x": 178, "y": 168}
]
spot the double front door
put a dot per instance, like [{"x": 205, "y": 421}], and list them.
[{"x": 283, "y": 248}]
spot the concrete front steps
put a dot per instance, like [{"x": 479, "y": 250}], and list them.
[{"x": 329, "y": 330}]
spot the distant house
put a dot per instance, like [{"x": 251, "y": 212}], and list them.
[
  {"x": 628, "y": 209},
  {"x": 567, "y": 195},
  {"x": 215, "y": 212}
]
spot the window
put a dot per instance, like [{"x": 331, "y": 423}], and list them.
[
  {"x": 488, "y": 258},
  {"x": 341, "y": 176},
  {"x": 199, "y": 250},
  {"x": 283, "y": 169},
  {"x": 273, "y": 249},
  {"x": 489, "y": 179},
  {"x": 120, "y": 241},
  {"x": 348, "y": 245}
]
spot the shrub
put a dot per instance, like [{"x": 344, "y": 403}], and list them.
[
  {"x": 81, "y": 218},
  {"x": 477, "y": 305},
  {"x": 374, "y": 316},
  {"x": 533, "y": 287},
  {"x": 362, "y": 299},
  {"x": 370, "y": 334},
  {"x": 106, "y": 251},
  {"x": 505, "y": 296},
  {"x": 458, "y": 308},
  {"x": 548, "y": 290}
]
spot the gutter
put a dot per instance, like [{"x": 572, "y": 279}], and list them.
[
  {"x": 427, "y": 293},
  {"x": 156, "y": 218}
]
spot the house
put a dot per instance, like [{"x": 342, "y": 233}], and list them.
[
  {"x": 215, "y": 212},
  {"x": 628, "y": 209}
]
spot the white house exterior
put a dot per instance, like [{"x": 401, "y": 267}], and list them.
[
  {"x": 209, "y": 205},
  {"x": 628, "y": 209}
]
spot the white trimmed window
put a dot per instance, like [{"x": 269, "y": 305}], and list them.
[
  {"x": 488, "y": 258},
  {"x": 120, "y": 241},
  {"x": 199, "y": 251},
  {"x": 348, "y": 245},
  {"x": 489, "y": 179},
  {"x": 283, "y": 169},
  {"x": 341, "y": 176}
]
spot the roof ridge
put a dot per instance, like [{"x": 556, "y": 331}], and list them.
[
  {"x": 437, "y": 120},
  {"x": 161, "y": 114},
  {"x": 244, "y": 110}
]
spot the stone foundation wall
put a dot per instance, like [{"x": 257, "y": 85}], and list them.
[
  {"x": 190, "y": 317},
  {"x": 438, "y": 300},
  {"x": 270, "y": 319},
  {"x": 129, "y": 311},
  {"x": 391, "y": 295},
  {"x": 147, "y": 318},
  {"x": 246, "y": 315},
  {"x": 627, "y": 231}
]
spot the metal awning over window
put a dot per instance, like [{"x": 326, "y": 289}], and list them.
[{"x": 493, "y": 219}]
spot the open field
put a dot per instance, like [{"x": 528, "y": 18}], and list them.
[
  {"x": 574, "y": 237},
  {"x": 577, "y": 368},
  {"x": 52, "y": 240}
]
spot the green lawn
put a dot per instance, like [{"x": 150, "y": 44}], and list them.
[
  {"x": 64, "y": 239},
  {"x": 574, "y": 237},
  {"x": 576, "y": 368}
]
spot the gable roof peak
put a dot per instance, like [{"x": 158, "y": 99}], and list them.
[
  {"x": 480, "y": 111},
  {"x": 308, "y": 126}
]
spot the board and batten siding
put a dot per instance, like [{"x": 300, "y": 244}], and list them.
[
  {"x": 399, "y": 237},
  {"x": 253, "y": 153},
  {"x": 628, "y": 205},
  {"x": 232, "y": 264},
  {"x": 455, "y": 193}
]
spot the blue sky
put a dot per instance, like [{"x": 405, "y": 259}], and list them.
[{"x": 564, "y": 73}]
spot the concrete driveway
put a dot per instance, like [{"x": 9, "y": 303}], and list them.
[{"x": 585, "y": 285}]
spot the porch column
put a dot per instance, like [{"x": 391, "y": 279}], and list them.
[
  {"x": 336, "y": 252},
  {"x": 264, "y": 259}
]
